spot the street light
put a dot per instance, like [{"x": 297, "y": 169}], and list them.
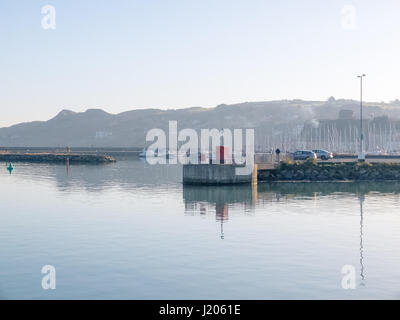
[{"x": 361, "y": 155}]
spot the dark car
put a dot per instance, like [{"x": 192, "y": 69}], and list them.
[{"x": 304, "y": 155}]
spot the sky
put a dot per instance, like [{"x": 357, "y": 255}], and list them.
[{"x": 131, "y": 54}]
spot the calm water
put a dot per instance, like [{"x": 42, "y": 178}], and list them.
[{"x": 132, "y": 231}]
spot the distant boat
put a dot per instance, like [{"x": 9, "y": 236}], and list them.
[{"x": 156, "y": 153}]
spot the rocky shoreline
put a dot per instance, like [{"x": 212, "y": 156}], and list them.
[
  {"x": 56, "y": 158},
  {"x": 341, "y": 171}
]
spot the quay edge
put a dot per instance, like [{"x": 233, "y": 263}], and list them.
[{"x": 56, "y": 158}]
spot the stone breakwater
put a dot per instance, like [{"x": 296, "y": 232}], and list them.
[
  {"x": 342, "y": 171},
  {"x": 55, "y": 158}
]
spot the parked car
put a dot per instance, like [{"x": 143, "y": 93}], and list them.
[
  {"x": 323, "y": 154},
  {"x": 304, "y": 155}
]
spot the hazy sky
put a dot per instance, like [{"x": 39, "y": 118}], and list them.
[{"x": 122, "y": 55}]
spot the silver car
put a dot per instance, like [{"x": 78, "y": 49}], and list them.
[
  {"x": 323, "y": 154},
  {"x": 304, "y": 155}
]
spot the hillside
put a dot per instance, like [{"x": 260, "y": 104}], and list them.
[{"x": 97, "y": 128}]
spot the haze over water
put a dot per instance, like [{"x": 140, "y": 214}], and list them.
[{"x": 132, "y": 231}]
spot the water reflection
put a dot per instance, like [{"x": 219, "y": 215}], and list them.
[
  {"x": 362, "y": 198},
  {"x": 304, "y": 231},
  {"x": 218, "y": 199},
  {"x": 67, "y": 166},
  {"x": 200, "y": 199},
  {"x": 308, "y": 189},
  {"x": 10, "y": 168},
  {"x": 125, "y": 174},
  {"x": 301, "y": 227},
  {"x": 132, "y": 173}
]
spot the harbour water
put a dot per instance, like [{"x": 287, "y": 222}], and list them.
[{"x": 128, "y": 230}]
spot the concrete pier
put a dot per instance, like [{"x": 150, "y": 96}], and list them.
[
  {"x": 267, "y": 169},
  {"x": 216, "y": 174},
  {"x": 55, "y": 158}
]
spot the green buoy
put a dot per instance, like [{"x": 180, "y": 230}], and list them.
[{"x": 10, "y": 168}]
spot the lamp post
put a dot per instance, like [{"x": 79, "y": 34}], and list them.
[{"x": 361, "y": 155}]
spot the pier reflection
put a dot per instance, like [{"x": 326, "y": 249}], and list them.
[
  {"x": 217, "y": 200},
  {"x": 202, "y": 200},
  {"x": 287, "y": 190}
]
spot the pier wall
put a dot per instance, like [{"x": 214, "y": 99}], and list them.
[
  {"x": 55, "y": 158},
  {"x": 214, "y": 174},
  {"x": 341, "y": 171}
]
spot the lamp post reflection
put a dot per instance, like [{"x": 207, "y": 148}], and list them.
[
  {"x": 67, "y": 166},
  {"x": 362, "y": 198}
]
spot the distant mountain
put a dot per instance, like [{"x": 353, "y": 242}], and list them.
[{"x": 97, "y": 128}]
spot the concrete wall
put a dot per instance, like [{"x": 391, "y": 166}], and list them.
[{"x": 213, "y": 174}]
